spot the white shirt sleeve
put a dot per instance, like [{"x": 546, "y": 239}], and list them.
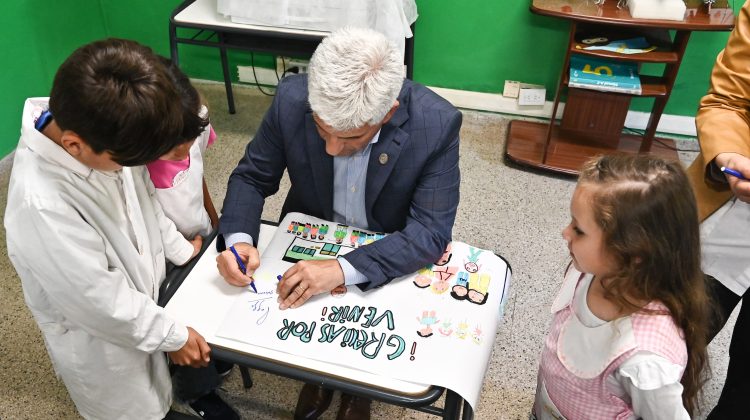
[
  {"x": 351, "y": 275},
  {"x": 67, "y": 258},
  {"x": 233, "y": 238},
  {"x": 653, "y": 384}
]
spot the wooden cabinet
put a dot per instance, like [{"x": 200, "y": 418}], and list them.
[{"x": 593, "y": 121}]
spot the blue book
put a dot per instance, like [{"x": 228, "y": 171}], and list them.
[{"x": 605, "y": 75}]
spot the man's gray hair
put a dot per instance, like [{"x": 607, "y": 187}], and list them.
[{"x": 355, "y": 76}]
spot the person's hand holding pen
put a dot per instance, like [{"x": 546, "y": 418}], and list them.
[
  {"x": 740, "y": 165},
  {"x": 229, "y": 268}
]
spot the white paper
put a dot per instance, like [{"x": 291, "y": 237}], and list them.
[{"x": 421, "y": 328}]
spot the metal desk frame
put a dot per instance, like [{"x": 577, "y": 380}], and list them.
[
  {"x": 454, "y": 407},
  {"x": 276, "y": 41}
]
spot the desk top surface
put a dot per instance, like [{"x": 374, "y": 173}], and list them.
[
  {"x": 203, "y": 13},
  {"x": 203, "y": 306},
  {"x": 697, "y": 17}
]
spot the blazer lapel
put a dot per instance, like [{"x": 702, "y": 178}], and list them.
[
  {"x": 387, "y": 150},
  {"x": 322, "y": 167}
]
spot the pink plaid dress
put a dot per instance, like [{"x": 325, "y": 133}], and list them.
[{"x": 577, "y": 360}]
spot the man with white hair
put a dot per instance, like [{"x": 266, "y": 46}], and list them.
[{"x": 363, "y": 147}]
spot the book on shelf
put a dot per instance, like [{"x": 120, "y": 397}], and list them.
[{"x": 605, "y": 75}]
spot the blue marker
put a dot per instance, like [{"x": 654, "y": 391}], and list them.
[
  {"x": 242, "y": 266},
  {"x": 279, "y": 277},
  {"x": 733, "y": 172}
]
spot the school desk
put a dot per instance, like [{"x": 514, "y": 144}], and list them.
[
  {"x": 202, "y": 305},
  {"x": 201, "y": 24}
]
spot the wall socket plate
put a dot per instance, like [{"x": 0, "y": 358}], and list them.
[
  {"x": 511, "y": 88},
  {"x": 286, "y": 63},
  {"x": 266, "y": 77},
  {"x": 532, "y": 96}
]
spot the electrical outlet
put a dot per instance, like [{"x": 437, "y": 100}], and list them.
[
  {"x": 288, "y": 65},
  {"x": 511, "y": 88},
  {"x": 531, "y": 96},
  {"x": 267, "y": 77}
]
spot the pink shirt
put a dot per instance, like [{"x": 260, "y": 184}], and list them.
[{"x": 577, "y": 359}]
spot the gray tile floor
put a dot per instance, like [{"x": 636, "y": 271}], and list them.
[{"x": 515, "y": 212}]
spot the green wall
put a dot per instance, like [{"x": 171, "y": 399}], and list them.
[{"x": 471, "y": 45}]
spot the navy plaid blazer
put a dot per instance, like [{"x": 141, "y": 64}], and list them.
[{"x": 413, "y": 196}]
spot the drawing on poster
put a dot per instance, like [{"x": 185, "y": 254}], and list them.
[
  {"x": 260, "y": 306},
  {"x": 427, "y": 320},
  {"x": 316, "y": 248},
  {"x": 401, "y": 330},
  {"x": 424, "y": 277},
  {"x": 470, "y": 284},
  {"x": 305, "y": 249},
  {"x": 362, "y": 337},
  {"x": 464, "y": 283},
  {"x": 445, "y": 329}
]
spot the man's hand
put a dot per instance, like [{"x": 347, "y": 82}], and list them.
[
  {"x": 195, "y": 352},
  {"x": 230, "y": 270},
  {"x": 307, "y": 279},
  {"x": 740, "y": 187}
]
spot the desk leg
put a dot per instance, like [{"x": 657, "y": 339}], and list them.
[
  {"x": 174, "y": 54},
  {"x": 247, "y": 380},
  {"x": 452, "y": 408},
  {"x": 225, "y": 68}
]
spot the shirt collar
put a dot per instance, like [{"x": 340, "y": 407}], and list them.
[
  {"x": 44, "y": 146},
  {"x": 367, "y": 148},
  {"x": 376, "y": 137}
]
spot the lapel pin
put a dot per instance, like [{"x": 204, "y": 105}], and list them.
[{"x": 383, "y": 158}]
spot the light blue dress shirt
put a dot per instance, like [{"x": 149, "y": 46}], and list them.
[{"x": 349, "y": 180}]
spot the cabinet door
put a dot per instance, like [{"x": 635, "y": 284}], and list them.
[{"x": 595, "y": 116}]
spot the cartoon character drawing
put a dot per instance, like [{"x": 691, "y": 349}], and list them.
[
  {"x": 478, "y": 288},
  {"x": 461, "y": 288},
  {"x": 445, "y": 329},
  {"x": 361, "y": 239},
  {"x": 379, "y": 236},
  {"x": 300, "y": 228},
  {"x": 444, "y": 274},
  {"x": 427, "y": 319},
  {"x": 471, "y": 266},
  {"x": 442, "y": 283},
  {"x": 292, "y": 227},
  {"x": 476, "y": 336},
  {"x": 323, "y": 232},
  {"x": 463, "y": 330},
  {"x": 424, "y": 277},
  {"x": 353, "y": 238},
  {"x": 314, "y": 232},
  {"x": 446, "y": 257},
  {"x": 340, "y": 233},
  {"x": 306, "y": 230}
]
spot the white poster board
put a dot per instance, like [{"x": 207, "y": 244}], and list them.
[{"x": 436, "y": 326}]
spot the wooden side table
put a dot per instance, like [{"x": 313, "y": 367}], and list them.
[{"x": 593, "y": 120}]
